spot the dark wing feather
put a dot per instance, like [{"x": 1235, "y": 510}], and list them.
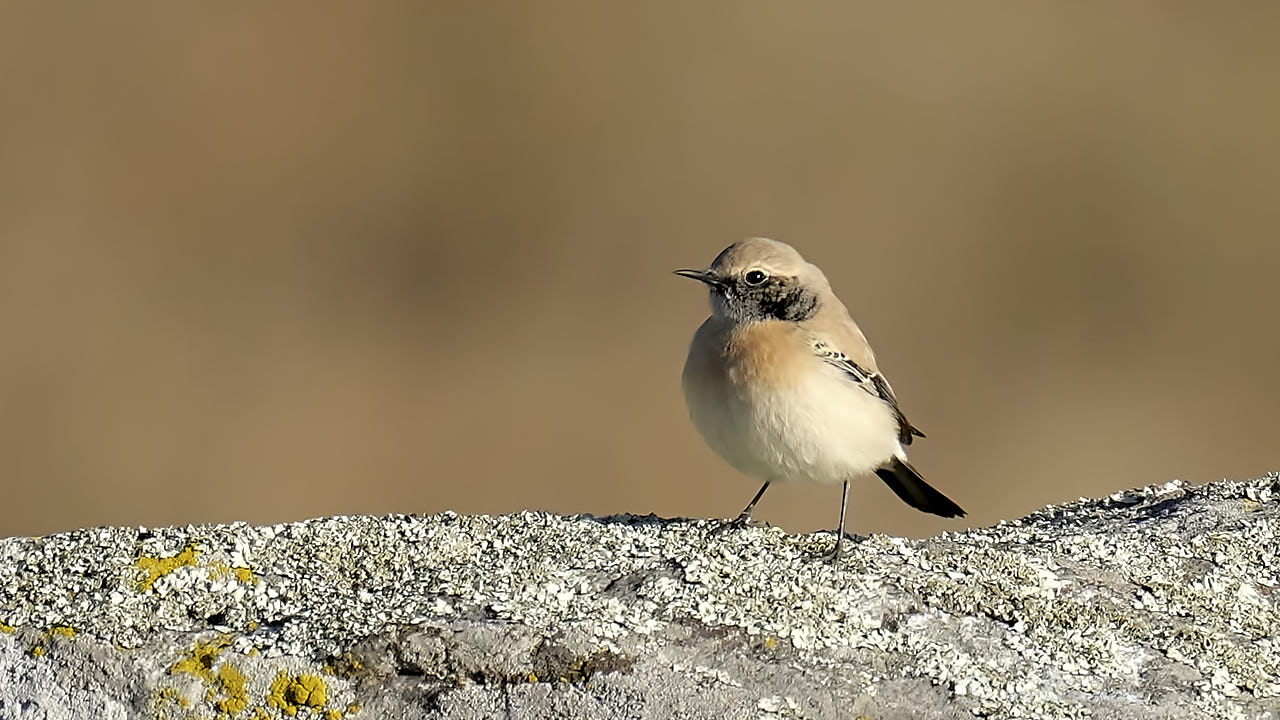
[{"x": 872, "y": 382}]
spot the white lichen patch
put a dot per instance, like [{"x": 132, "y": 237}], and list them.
[{"x": 1039, "y": 617}]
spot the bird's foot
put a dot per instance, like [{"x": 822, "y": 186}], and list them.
[
  {"x": 837, "y": 553},
  {"x": 741, "y": 522}
]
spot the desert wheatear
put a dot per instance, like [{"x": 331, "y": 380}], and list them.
[{"x": 783, "y": 385}]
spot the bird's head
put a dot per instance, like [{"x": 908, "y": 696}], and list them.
[{"x": 762, "y": 279}]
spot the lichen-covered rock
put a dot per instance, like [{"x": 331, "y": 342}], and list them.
[{"x": 1157, "y": 603}]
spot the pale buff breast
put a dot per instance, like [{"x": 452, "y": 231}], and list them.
[{"x": 767, "y": 357}]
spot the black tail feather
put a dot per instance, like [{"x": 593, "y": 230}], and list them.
[{"x": 903, "y": 480}]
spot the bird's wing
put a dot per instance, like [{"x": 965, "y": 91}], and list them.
[{"x": 870, "y": 381}]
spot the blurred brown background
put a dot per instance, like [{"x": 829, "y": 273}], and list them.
[{"x": 267, "y": 263}]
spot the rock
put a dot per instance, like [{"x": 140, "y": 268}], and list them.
[{"x": 1156, "y": 603}]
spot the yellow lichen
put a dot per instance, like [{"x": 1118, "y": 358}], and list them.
[
  {"x": 172, "y": 695},
  {"x": 7, "y": 628},
  {"x": 168, "y": 695},
  {"x": 289, "y": 693},
  {"x": 156, "y": 568},
  {"x": 228, "y": 687},
  {"x": 347, "y": 665},
  {"x": 354, "y": 708},
  {"x": 39, "y": 648},
  {"x": 219, "y": 570},
  {"x": 234, "y": 686},
  {"x": 200, "y": 662}
]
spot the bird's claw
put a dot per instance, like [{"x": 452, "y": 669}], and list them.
[
  {"x": 837, "y": 553},
  {"x": 741, "y": 522}
]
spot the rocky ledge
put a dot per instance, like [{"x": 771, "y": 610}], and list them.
[{"x": 1153, "y": 603}]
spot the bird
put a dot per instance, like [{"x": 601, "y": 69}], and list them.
[{"x": 782, "y": 384}]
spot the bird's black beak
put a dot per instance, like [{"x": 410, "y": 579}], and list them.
[{"x": 705, "y": 276}]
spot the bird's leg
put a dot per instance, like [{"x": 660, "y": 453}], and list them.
[
  {"x": 744, "y": 518},
  {"x": 834, "y": 555}
]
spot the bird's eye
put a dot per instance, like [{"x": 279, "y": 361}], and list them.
[{"x": 755, "y": 277}]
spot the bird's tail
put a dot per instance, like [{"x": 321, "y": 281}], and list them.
[{"x": 907, "y": 483}]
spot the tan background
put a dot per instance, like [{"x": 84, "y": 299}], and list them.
[{"x": 266, "y": 264}]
